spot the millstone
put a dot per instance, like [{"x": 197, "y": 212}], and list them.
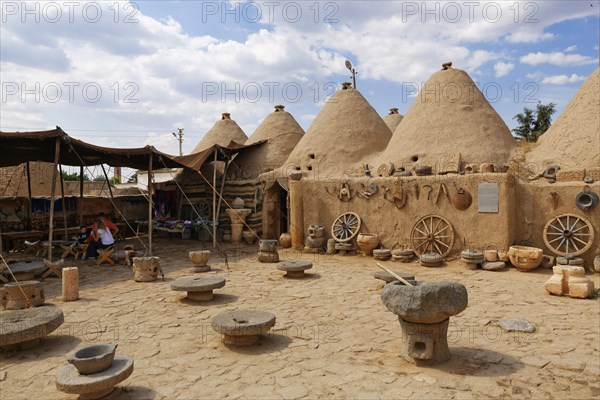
[{"x": 235, "y": 325}]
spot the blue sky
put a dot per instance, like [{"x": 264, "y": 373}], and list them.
[{"x": 129, "y": 75}]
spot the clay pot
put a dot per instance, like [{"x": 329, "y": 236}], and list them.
[
  {"x": 462, "y": 199},
  {"x": 285, "y": 240},
  {"x": 93, "y": 359},
  {"x": 249, "y": 237},
  {"x": 367, "y": 242},
  {"x": 525, "y": 258},
  {"x": 586, "y": 200},
  {"x": 597, "y": 263},
  {"x": 490, "y": 255}
]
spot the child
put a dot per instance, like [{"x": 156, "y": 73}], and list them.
[{"x": 84, "y": 234}]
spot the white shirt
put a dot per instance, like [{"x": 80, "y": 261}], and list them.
[{"x": 106, "y": 236}]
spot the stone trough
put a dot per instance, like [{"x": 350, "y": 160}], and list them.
[
  {"x": 198, "y": 288},
  {"x": 387, "y": 277},
  {"x": 243, "y": 327},
  {"x": 25, "y": 270},
  {"x": 424, "y": 312}
]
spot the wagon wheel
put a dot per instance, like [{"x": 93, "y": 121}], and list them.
[
  {"x": 432, "y": 233},
  {"x": 568, "y": 233},
  {"x": 203, "y": 209},
  {"x": 345, "y": 227}
]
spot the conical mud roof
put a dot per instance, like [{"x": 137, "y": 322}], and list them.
[
  {"x": 346, "y": 131},
  {"x": 282, "y": 133},
  {"x": 449, "y": 116},
  {"x": 393, "y": 119},
  {"x": 573, "y": 140},
  {"x": 222, "y": 133}
]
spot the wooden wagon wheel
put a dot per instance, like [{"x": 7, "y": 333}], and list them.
[
  {"x": 568, "y": 233},
  {"x": 432, "y": 233},
  {"x": 345, "y": 227},
  {"x": 203, "y": 209}
]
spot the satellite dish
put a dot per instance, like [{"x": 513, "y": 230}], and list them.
[{"x": 349, "y": 65}]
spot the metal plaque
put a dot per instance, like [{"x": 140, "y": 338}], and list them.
[{"x": 488, "y": 197}]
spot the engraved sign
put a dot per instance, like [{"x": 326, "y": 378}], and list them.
[{"x": 488, "y": 197}]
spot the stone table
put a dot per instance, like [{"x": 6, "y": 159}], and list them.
[
  {"x": 294, "y": 269},
  {"x": 243, "y": 327},
  {"x": 25, "y": 270},
  {"x": 198, "y": 288},
  {"x": 94, "y": 386},
  {"x": 24, "y": 328}
]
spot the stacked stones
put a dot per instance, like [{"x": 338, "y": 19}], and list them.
[
  {"x": 569, "y": 280},
  {"x": 200, "y": 259},
  {"x": 267, "y": 251},
  {"x": 316, "y": 239},
  {"x": 569, "y": 259},
  {"x": 492, "y": 263},
  {"x": 404, "y": 256},
  {"x": 431, "y": 259},
  {"x": 146, "y": 269},
  {"x": 343, "y": 248},
  {"x": 472, "y": 258},
  {"x": 382, "y": 254},
  {"x": 12, "y": 295}
]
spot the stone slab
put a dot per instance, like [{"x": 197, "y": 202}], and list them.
[
  {"x": 243, "y": 322},
  {"x": 18, "y": 326},
  {"x": 198, "y": 284},
  {"x": 517, "y": 325},
  {"x": 493, "y": 266},
  {"x": 293, "y": 266}
]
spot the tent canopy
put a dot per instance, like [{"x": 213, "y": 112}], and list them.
[{"x": 20, "y": 147}]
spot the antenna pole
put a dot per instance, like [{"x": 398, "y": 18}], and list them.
[{"x": 179, "y": 137}]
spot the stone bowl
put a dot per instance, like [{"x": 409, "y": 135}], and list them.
[
  {"x": 200, "y": 257},
  {"x": 525, "y": 258},
  {"x": 93, "y": 359},
  {"x": 425, "y": 302}
]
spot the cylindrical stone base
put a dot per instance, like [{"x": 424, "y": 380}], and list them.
[
  {"x": 236, "y": 232},
  {"x": 201, "y": 268},
  {"x": 295, "y": 274},
  {"x": 145, "y": 269},
  {"x": 70, "y": 284},
  {"x": 96, "y": 395},
  {"x": 245, "y": 340},
  {"x": 15, "y": 296},
  {"x": 28, "y": 344},
  {"x": 200, "y": 296},
  {"x": 425, "y": 343}
]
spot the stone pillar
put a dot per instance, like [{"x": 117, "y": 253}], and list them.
[
  {"x": 146, "y": 269},
  {"x": 296, "y": 213},
  {"x": 236, "y": 232},
  {"x": 425, "y": 343},
  {"x": 70, "y": 284}
]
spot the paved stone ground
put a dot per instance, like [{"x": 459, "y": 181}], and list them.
[{"x": 333, "y": 337}]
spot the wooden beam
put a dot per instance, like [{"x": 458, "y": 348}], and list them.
[
  {"x": 28, "y": 196},
  {"x": 80, "y": 208},
  {"x": 150, "y": 205},
  {"x": 52, "y": 193},
  {"x": 64, "y": 208},
  {"x": 215, "y": 217},
  {"x": 222, "y": 187}
]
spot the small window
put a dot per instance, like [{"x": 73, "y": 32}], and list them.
[{"x": 414, "y": 158}]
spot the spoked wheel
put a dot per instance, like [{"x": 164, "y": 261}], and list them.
[
  {"x": 432, "y": 233},
  {"x": 203, "y": 209},
  {"x": 568, "y": 233},
  {"x": 345, "y": 227}
]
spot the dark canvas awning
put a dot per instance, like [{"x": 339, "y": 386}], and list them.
[{"x": 19, "y": 147}]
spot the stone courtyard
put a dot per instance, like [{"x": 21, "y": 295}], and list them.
[{"x": 333, "y": 336}]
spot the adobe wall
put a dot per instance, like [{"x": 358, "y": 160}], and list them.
[
  {"x": 535, "y": 209},
  {"x": 394, "y": 226}
]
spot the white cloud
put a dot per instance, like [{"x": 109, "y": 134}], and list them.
[
  {"x": 502, "y": 68},
  {"x": 528, "y": 37},
  {"x": 563, "y": 79},
  {"x": 571, "y": 48},
  {"x": 557, "y": 58},
  {"x": 535, "y": 75}
]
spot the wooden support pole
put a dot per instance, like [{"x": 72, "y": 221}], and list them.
[
  {"x": 222, "y": 188},
  {"x": 64, "y": 208},
  {"x": 150, "y": 205},
  {"x": 215, "y": 217},
  {"x": 112, "y": 199},
  {"x": 296, "y": 213},
  {"x": 28, "y": 196},
  {"x": 52, "y": 193},
  {"x": 80, "y": 208}
]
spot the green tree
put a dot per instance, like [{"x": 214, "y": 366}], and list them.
[
  {"x": 73, "y": 177},
  {"x": 533, "y": 124}
]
